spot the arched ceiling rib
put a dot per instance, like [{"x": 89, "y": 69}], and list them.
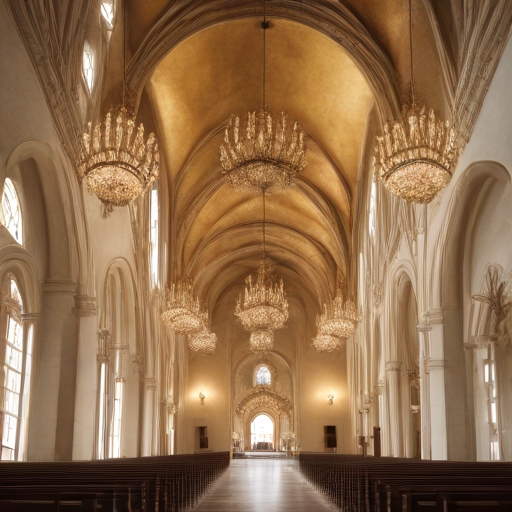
[{"x": 219, "y": 71}]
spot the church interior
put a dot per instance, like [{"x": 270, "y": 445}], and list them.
[{"x": 251, "y": 241}]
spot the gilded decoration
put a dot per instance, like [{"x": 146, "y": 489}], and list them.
[{"x": 264, "y": 397}]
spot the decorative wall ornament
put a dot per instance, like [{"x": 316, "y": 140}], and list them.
[
  {"x": 13, "y": 307},
  {"x": 497, "y": 295},
  {"x": 416, "y": 167},
  {"x": 263, "y": 397},
  {"x": 261, "y": 154}
]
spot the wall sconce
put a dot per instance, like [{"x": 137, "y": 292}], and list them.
[
  {"x": 201, "y": 399},
  {"x": 331, "y": 399}
]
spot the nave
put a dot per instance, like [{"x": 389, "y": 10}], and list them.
[{"x": 261, "y": 485}]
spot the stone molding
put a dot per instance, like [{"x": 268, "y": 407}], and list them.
[
  {"x": 85, "y": 306},
  {"x": 394, "y": 366}
]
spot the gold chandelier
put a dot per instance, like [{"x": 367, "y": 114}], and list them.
[
  {"x": 260, "y": 154},
  {"x": 326, "y": 343},
  {"x": 264, "y": 305},
  {"x": 116, "y": 162},
  {"x": 416, "y": 165},
  {"x": 203, "y": 341},
  {"x": 339, "y": 318},
  {"x": 182, "y": 311}
]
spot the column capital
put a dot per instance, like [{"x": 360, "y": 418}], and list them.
[
  {"x": 394, "y": 366},
  {"x": 150, "y": 383},
  {"x": 29, "y": 317},
  {"x": 85, "y": 306},
  {"x": 434, "y": 363}
]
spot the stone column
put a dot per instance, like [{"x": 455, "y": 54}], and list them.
[
  {"x": 393, "y": 387},
  {"x": 424, "y": 356},
  {"x": 435, "y": 365},
  {"x": 149, "y": 416},
  {"x": 53, "y": 397},
  {"x": 86, "y": 391}
]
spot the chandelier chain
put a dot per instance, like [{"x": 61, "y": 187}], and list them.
[{"x": 410, "y": 49}]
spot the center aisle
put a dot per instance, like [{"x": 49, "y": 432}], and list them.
[{"x": 262, "y": 486}]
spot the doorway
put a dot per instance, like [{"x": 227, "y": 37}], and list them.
[{"x": 262, "y": 433}]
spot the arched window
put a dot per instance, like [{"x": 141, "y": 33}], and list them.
[
  {"x": 107, "y": 11},
  {"x": 11, "y": 211},
  {"x": 88, "y": 68},
  {"x": 17, "y": 371},
  {"x": 263, "y": 376}
]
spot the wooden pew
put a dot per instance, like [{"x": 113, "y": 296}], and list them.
[
  {"x": 390, "y": 484},
  {"x": 168, "y": 483}
]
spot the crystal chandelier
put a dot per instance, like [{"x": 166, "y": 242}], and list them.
[
  {"x": 339, "y": 318},
  {"x": 264, "y": 305},
  {"x": 116, "y": 162},
  {"x": 260, "y": 154},
  {"x": 262, "y": 341},
  {"x": 182, "y": 312},
  {"x": 326, "y": 343},
  {"x": 203, "y": 341},
  {"x": 416, "y": 165}
]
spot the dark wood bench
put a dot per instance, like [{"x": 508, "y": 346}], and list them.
[
  {"x": 408, "y": 485},
  {"x": 168, "y": 483}
]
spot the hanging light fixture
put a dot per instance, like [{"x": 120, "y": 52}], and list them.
[
  {"x": 116, "y": 163},
  {"x": 339, "y": 318},
  {"x": 417, "y": 165},
  {"x": 263, "y": 161},
  {"x": 259, "y": 153},
  {"x": 263, "y": 308},
  {"x": 326, "y": 343},
  {"x": 203, "y": 341},
  {"x": 182, "y": 312}
]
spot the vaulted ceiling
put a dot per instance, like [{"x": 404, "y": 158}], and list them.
[{"x": 322, "y": 77}]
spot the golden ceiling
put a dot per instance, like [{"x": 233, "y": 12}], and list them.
[{"x": 217, "y": 71}]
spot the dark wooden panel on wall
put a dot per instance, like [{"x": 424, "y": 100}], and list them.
[{"x": 330, "y": 436}]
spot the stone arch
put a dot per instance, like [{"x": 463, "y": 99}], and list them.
[
  {"x": 451, "y": 294},
  {"x": 335, "y": 22},
  {"x": 46, "y": 192}
]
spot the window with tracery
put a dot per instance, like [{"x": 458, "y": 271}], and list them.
[
  {"x": 88, "y": 67},
  {"x": 263, "y": 376},
  {"x": 17, "y": 372},
  {"x": 11, "y": 211}
]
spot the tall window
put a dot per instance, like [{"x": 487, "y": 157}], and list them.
[
  {"x": 117, "y": 417},
  {"x": 153, "y": 234},
  {"x": 492, "y": 414},
  {"x": 11, "y": 211},
  {"x": 88, "y": 66},
  {"x": 263, "y": 376},
  {"x": 107, "y": 11},
  {"x": 373, "y": 203},
  {"x": 17, "y": 372}
]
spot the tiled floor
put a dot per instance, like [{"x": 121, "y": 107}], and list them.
[{"x": 266, "y": 485}]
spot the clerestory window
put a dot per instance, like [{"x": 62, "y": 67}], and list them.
[
  {"x": 263, "y": 376},
  {"x": 11, "y": 211}
]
